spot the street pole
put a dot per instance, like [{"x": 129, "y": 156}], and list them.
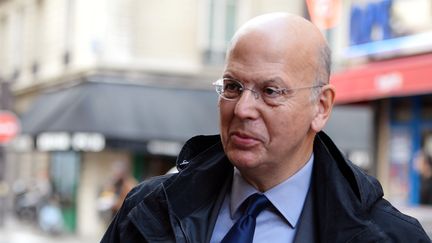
[{"x": 5, "y": 104}]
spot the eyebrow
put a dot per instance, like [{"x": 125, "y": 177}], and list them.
[
  {"x": 276, "y": 80},
  {"x": 229, "y": 76}
]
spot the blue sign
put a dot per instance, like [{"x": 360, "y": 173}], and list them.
[{"x": 369, "y": 19}]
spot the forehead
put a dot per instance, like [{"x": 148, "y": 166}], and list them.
[
  {"x": 256, "y": 56},
  {"x": 256, "y": 73},
  {"x": 259, "y": 70}
]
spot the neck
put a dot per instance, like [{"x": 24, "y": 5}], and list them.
[{"x": 268, "y": 176}]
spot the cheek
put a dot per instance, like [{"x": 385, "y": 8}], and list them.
[
  {"x": 225, "y": 116},
  {"x": 281, "y": 127},
  {"x": 288, "y": 122}
]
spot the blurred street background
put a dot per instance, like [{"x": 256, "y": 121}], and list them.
[{"x": 96, "y": 96}]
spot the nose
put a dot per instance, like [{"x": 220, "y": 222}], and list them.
[
  {"x": 255, "y": 93},
  {"x": 246, "y": 106}
]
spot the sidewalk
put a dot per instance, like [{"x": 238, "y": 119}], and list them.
[{"x": 14, "y": 231}]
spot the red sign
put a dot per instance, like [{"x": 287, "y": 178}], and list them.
[
  {"x": 395, "y": 77},
  {"x": 324, "y": 13},
  {"x": 9, "y": 126}
]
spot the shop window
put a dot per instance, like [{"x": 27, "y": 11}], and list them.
[
  {"x": 402, "y": 110},
  {"x": 423, "y": 164},
  {"x": 426, "y": 108},
  {"x": 400, "y": 154},
  {"x": 65, "y": 167}
]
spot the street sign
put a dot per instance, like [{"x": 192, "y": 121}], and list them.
[{"x": 9, "y": 126}]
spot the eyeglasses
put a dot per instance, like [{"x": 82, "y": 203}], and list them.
[{"x": 231, "y": 89}]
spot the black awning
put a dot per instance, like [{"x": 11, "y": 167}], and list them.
[{"x": 124, "y": 111}]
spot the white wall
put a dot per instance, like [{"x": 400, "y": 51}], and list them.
[
  {"x": 96, "y": 170},
  {"x": 128, "y": 35}
]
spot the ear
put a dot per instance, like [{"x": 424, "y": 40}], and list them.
[{"x": 324, "y": 107}]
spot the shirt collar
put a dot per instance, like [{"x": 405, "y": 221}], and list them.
[{"x": 288, "y": 197}]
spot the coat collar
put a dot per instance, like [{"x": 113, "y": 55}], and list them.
[
  {"x": 343, "y": 195},
  {"x": 206, "y": 171},
  {"x": 187, "y": 198}
]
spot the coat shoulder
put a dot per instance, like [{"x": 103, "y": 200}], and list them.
[
  {"x": 143, "y": 189},
  {"x": 121, "y": 228},
  {"x": 396, "y": 225}
]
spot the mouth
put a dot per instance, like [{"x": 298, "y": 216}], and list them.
[{"x": 244, "y": 140}]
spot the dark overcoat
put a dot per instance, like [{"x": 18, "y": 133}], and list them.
[{"x": 345, "y": 204}]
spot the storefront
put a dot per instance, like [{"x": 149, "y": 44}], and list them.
[
  {"x": 84, "y": 132},
  {"x": 385, "y": 63},
  {"x": 411, "y": 133},
  {"x": 400, "y": 92}
]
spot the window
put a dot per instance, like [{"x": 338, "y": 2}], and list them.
[
  {"x": 221, "y": 26},
  {"x": 426, "y": 108},
  {"x": 402, "y": 109},
  {"x": 3, "y": 43},
  {"x": 18, "y": 42}
]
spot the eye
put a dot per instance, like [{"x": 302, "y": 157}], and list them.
[
  {"x": 271, "y": 92},
  {"x": 232, "y": 86}
]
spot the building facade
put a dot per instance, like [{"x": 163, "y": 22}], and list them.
[
  {"x": 101, "y": 83},
  {"x": 386, "y": 65},
  {"x": 97, "y": 83}
]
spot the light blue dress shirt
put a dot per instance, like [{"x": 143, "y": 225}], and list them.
[{"x": 274, "y": 224}]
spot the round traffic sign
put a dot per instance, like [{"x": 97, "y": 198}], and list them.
[{"x": 9, "y": 126}]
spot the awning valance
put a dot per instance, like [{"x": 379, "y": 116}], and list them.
[
  {"x": 124, "y": 111},
  {"x": 396, "y": 77}
]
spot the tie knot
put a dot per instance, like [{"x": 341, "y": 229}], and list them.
[{"x": 256, "y": 203}]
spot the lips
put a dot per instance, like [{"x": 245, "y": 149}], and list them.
[{"x": 243, "y": 140}]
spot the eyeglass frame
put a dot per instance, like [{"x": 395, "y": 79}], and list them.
[{"x": 218, "y": 84}]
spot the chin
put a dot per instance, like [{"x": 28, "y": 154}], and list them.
[{"x": 243, "y": 159}]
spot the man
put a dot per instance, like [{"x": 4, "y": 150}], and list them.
[{"x": 271, "y": 175}]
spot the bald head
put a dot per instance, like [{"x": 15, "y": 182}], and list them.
[
  {"x": 287, "y": 38},
  {"x": 279, "y": 24}
]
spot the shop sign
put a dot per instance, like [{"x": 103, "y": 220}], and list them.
[
  {"x": 370, "y": 22},
  {"x": 386, "y": 28},
  {"x": 160, "y": 147},
  {"x": 62, "y": 141},
  {"x": 388, "y": 82},
  {"x": 397, "y": 77},
  {"x": 94, "y": 142}
]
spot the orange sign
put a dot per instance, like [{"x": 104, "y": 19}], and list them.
[
  {"x": 9, "y": 126},
  {"x": 324, "y": 13}
]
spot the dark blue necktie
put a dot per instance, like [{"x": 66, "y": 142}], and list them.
[{"x": 243, "y": 230}]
